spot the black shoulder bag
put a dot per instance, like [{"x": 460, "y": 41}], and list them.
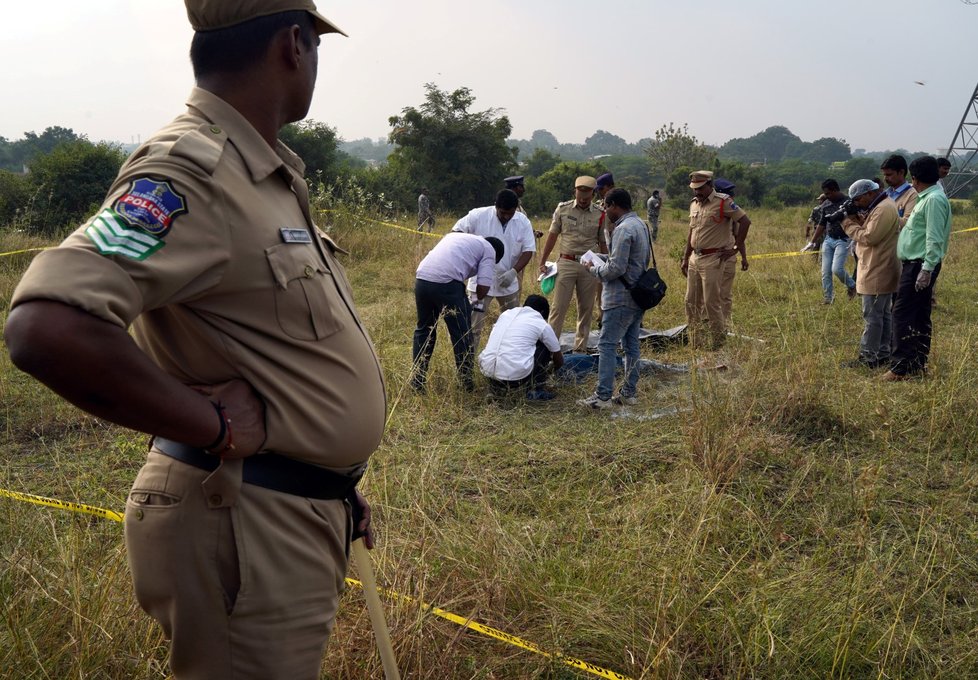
[{"x": 649, "y": 290}]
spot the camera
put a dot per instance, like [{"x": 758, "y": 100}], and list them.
[{"x": 849, "y": 208}]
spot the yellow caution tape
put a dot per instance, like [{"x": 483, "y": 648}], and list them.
[
  {"x": 454, "y": 618},
  {"x": 25, "y": 250},
  {"x": 62, "y": 505},
  {"x": 500, "y": 635},
  {"x": 765, "y": 256}
]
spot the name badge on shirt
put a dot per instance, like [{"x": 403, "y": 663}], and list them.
[{"x": 295, "y": 235}]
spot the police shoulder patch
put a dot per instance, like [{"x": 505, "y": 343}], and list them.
[
  {"x": 151, "y": 205},
  {"x": 112, "y": 236}
]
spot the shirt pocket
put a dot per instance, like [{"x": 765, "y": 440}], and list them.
[{"x": 305, "y": 293}]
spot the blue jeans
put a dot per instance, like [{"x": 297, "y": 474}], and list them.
[
  {"x": 834, "y": 254},
  {"x": 619, "y": 324}
]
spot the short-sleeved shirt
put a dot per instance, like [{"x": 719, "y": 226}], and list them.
[
  {"x": 509, "y": 351},
  {"x": 205, "y": 245},
  {"x": 516, "y": 235},
  {"x": 457, "y": 257},
  {"x": 579, "y": 229},
  {"x": 832, "y": 217},
  {"x": 711, "y": 222},
  {"x": 424, "y": 205}
]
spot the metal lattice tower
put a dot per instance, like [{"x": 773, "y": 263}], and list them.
[{"x": 963, "y": 152}]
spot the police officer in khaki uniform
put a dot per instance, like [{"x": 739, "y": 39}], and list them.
[
  {"x": 247, "y": 361},
  {"x": 713, "y": 221},
  {"x": 578, "y": 224}
]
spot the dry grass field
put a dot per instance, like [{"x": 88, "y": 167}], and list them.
[{"x": 793, "y": 519}]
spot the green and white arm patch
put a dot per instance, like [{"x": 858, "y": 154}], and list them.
[{"x": 112, "y": 237}]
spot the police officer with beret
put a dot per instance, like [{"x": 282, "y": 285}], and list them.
[{"x": 247, "y": 360}]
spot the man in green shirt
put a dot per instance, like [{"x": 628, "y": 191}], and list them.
[{"x": 921, "y": 248}]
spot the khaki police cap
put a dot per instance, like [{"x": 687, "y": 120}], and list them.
[
  {"x": 699, "y": 178},
  {"x": 210, "y": 15},
  {"x": 585, "y": 181}
]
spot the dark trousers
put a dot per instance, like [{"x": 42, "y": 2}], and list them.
[
  {"x": 448, "y": 301},
  {"x": 911, "y": 321},
  {"x": 538, "y": 376}
]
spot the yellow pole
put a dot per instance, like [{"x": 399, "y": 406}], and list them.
[{"x": 376, "y": 610}]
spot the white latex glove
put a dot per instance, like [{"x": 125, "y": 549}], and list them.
[
  {"x": 923, "y": 280},
  {"x": 852, "y": 248},
  {"x": 808, "y": 247},
  {"x": 506, "y": 279}
]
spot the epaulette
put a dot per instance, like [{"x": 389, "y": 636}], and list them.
[
  {"x": 564, "y": 204},
  {"x": 202, "y": 146}
]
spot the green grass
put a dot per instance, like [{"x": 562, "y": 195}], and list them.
[{"x": 793, "y": 520}]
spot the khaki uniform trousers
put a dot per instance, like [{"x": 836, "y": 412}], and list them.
[
  {"x": 245, "y": 581},
  {"x": 479, "y": 318},
  {"x": 726, "y": 288},
  {"x": 704, "y": 298},
  {"x": 573, "y": 276}
]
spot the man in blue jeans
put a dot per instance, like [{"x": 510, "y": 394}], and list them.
[
  {"x": 631, "y": 248},
  {"x": 835, "y": 247}
]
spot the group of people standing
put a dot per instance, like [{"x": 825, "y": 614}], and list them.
[{"x": 899, "y": 236}]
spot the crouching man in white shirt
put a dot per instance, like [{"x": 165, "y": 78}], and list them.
[{"x": 520, "y": 348}]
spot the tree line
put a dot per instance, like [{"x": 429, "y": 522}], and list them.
[{"x": 460, "y": 154}]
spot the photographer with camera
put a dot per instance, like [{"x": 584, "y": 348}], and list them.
[
  {"x": 835, "y": 247},
  {"x": 874, "y": 234}
]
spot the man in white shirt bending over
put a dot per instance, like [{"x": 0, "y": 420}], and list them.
[
  {"x": 500, "y": 221},
  {"x": 519, "y": 350}
]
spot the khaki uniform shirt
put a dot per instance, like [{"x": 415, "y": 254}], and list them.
[
  {"x": 579, "y": 229},
  {"x": 711, "y": 222},
  {"x": 205, "y": 245}
]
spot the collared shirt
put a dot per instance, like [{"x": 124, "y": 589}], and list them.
[
  {"x": 237, "y": 282},
  {"x": 905, "y": 197},
  {"x": 711, "y": 222},
  {"x": 928, "y": 230},
  {"x": 516, "y": 235},
  {"x": 631, "y": 249},
  {"x": 579, "y": 228},
  {"x": 456, "y": 257},
  {"x": 509, "y": 351}
]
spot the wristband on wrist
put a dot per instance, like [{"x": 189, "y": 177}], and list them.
[{"x": 224, "y": 436}]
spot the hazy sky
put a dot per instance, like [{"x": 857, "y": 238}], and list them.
[{"x": 118, "y": 69}]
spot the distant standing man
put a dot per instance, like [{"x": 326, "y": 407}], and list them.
[
  {"x": 439, "y": 292},
  {"x": 577, "y": 223},
  {"x": 921, "y": 248},
  {"x": 943, "y": 170},
  {"x": 713, "y": 222},
  {"x": 652, "y": 207},
  {"x": 874, "y": 230},
  {"x": 630, "y": 253},
  {"x": 502, "y": 221},
  {"x": 426, "y": 218},
  {"x": 898, "y": 189},
  {"x": 247, "y": 362},
  {"x": 835, "y": 244}
]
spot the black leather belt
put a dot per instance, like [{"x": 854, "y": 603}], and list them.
[{"x": 270, "y": 471}]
